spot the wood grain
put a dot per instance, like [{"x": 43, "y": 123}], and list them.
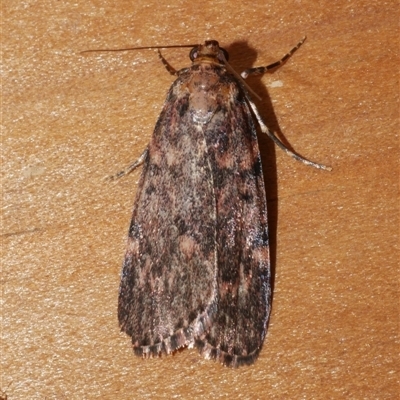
[{"x": 69, "y": 120}]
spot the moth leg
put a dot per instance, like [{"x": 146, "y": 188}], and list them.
[
  {"x": 167, "y": 65},
  {"x": 130, "y": 167},
  {"x": 262, "y": 70},
  {"x": 277, "y": 141}
]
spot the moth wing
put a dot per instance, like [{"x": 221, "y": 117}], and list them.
[
  {"x": 243, "y": 302},
  {"x": 169, "y": 272}
]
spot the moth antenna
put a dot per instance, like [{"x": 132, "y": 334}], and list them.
[
  {"x": 141, "y": 48},
  {"x": 238, "y": 77}
]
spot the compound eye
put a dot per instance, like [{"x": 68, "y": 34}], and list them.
[{"x": 194, "y": 53}]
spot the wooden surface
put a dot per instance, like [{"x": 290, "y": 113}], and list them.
[{"x": 69, "y": 120}]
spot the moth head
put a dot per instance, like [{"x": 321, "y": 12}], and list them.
[{"x": 210, "y": 49}]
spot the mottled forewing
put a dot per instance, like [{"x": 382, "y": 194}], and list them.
[
  {"x": 169, "y": 273},
  {"x": 240, "y": 322}
]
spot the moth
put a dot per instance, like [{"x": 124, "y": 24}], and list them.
[{"x": 196, "y": 271}]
